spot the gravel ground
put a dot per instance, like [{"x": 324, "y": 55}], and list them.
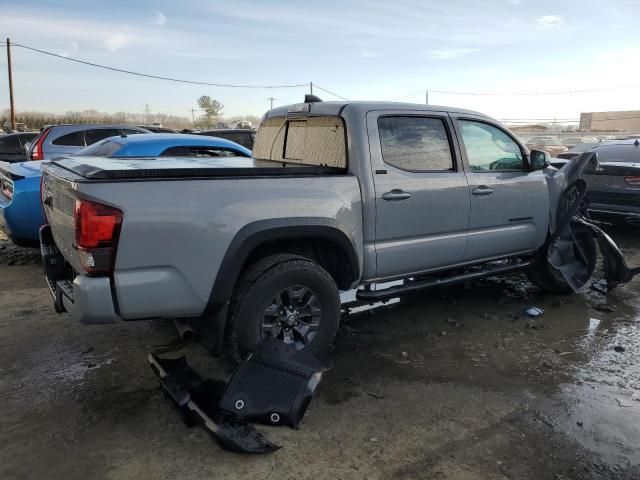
[{"x": 451, "y": 384}]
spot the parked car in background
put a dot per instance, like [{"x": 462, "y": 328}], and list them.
[
  {"x": 165, "y": 145},
  {"x": 20, "y": 210},
  {"x": 571, "y": 142},
  {"x": 614, "y": 185},
  {"x": 577, "y": 150},
  {"x": 20, "y": 127},
  {"x": 12, "y": 146},
  {"x": 57, "y": 140},
  {"x": 549, "y": 144},
  {"x": 158, "y": 129},
  {"x": 243, "y": 136}
]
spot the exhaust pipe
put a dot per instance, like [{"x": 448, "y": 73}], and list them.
[{"x": 185, "y": 330}]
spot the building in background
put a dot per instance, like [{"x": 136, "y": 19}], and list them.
[{"x": 628, "y": 121}]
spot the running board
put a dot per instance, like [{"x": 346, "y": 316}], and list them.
[{"x": 375, "y": 295}]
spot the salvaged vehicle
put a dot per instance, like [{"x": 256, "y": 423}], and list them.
[{"x": 337, "y": 196}]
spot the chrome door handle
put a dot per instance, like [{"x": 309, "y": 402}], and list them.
[
  {"x": 482, "y": 190},
  {"x": 395, "y": 195}
]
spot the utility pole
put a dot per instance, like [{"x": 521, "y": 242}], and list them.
[
  {"x": 311, "y": 88},
  {"x": 13, "y": 110},
  {"x": 271, "y": 99},
  {"x": 146, "y": 114},
  {"x": 426, "y": 97},
  {"x": 193, "y": 116}
]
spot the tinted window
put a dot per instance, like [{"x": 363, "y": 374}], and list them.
[
  {"x": 415, "y": 143},
  {"x": 95, "y": 135},
  {"x": 127, "y": 131},
  {"x": 27, "y": 137},
  {"x": 198, "y": 151},
  {"x": 106, "y": 148},
  {"x": 627, "y": 153},
  {"x": 75, "y": 139},
  {"x": 244, "y": 139},
  {"x": 489, "y": 148},
  {"x": 10, "y": 144}
]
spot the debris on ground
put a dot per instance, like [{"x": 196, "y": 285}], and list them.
[
  {"x": 534, "y": 312},
  {"x": 619, "y": 348},
  {"x": 273, "y": 386},
  {"x": 604, "y": 307}
]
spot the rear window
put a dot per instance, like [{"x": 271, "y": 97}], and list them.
[
  {"x": 318, "y": 141},
  {"x": 74, "y": 139},
  {"x": 106, "y": 148},
  {"x": 626, "y": 153},
  {"x": 10, "y": 144}
]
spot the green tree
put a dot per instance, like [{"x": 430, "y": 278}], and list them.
[{"x": 212, "y": 109}]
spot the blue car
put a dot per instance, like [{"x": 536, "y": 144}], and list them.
[
  {"x": 165, "y": 145},
  {"x": 20, "y": 211}
]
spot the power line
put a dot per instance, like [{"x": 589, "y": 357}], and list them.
[
  {"x": 526, "y": 94},
  {"x": 158, "y": 77},
  {"x": 329, "y": 92}
]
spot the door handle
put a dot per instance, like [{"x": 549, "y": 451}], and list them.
[
  {"x": 395, "y": 195},
  {"x": 482, "y": 190}
]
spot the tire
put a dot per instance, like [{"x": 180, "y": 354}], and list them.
[
  {"x": 283, "y": 276},
  {"x": 543, "y": 276}
]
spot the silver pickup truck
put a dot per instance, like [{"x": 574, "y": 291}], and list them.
[{"x": 337, "y": 196}]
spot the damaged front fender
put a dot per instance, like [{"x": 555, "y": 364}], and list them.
[{"x": 566, "y": 254}]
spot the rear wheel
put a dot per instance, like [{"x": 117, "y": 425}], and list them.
[
  {"x": 543, "y": 275},
  {"x": 287, "y": 297}
]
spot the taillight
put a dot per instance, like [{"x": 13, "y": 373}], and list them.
[
  {"x": 97, "y": 231},
  {"x": 633, "y": 181},
  {"x": 36, "y": 152}
]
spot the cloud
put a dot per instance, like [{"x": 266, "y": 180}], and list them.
[
  {"x": 450, "y": 53},
  {"x": 366, "y": 53},
  {"x": 159, "y": 18},
  {"x": 74, "y": 49},
  {"x": 549, "y": 22},
  {"x": 514, "y": 2},
  {"x": 116, "y": 41}
]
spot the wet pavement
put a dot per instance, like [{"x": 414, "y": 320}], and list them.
[{"x": 449, "y": 384}]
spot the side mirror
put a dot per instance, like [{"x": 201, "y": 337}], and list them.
[{"x": 539, "y": 160}]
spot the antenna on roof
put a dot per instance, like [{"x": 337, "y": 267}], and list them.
[{"x": 309, "y": 98}]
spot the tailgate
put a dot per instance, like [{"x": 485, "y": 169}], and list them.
[{"x": 58, "y": 200}]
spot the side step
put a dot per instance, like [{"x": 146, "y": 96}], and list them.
[{"x": 489, "y": 271}]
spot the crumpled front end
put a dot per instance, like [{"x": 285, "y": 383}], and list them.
[{"x": 569, "y": 220}]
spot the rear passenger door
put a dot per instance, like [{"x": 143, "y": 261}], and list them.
[
  {"x": 509, "y": 203},
  {"x": 421, "y": 193}
]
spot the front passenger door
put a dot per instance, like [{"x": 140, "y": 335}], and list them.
[{"x": 509, "y": 203}]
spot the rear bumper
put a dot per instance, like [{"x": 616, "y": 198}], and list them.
[{"x": 87, "y": 299}]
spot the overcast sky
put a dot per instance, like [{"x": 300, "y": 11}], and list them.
[{"x": 362, "y": 50}]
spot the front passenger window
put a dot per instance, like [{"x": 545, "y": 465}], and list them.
[{"x": 489, "y": 148}]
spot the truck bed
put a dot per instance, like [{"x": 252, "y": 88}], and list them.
[{"x": 102, "y": 168}]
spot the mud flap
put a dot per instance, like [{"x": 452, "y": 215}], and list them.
[{"x": 197, "y": 400}]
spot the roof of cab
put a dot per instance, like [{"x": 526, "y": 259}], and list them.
[{"x": 362, "y": 107}]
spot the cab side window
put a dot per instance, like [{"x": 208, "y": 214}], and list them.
[
  {"x": 416, "y": 144},
  {"x": 489, "y": 148}
]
